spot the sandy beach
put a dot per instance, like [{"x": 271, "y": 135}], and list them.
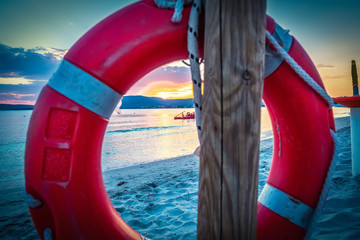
[
  {"x": 92, "y": 91},
  {"x": 159, "y": 199}
]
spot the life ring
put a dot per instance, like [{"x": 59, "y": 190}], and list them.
[{"x": 67, "y": 127}]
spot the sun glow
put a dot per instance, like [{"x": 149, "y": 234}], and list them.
[
  {"x": 15, "y": 81},
  {"x": 173, "y": 92},
  {"x": 167, "y": 90}
]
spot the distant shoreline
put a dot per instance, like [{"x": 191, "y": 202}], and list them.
[
  {"x": 11, "y": 107},
  {"x": 7, "y": 107},
  {"x": 128, "y": 102},
  {"x": 134, "y": 102}
]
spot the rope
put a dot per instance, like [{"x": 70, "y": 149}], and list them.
[
  {"x": 311, "y": 82},
  {"x": 299, "y": 70},
  {"x": 196, "y": 78},
  {"x": 178, "y": 7},
  {"x": 48, "y": 234},
  {"x": 195, "y": 73},
  {"x": 193, "y": 48},
  {"x": 195, "y": 69},
  {"x": 193, "y": 32},
  {"x": 326, "y": 186},
  {"x": 31, "y": 201}
]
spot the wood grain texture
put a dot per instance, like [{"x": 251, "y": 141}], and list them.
[
  {"x": 234, "y": 57},
  {"x": 209, "y": 208}
]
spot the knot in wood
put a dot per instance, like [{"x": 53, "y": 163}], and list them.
[
  {"x": 246, "y": 75},
  {"x": 211, "y": 71}
]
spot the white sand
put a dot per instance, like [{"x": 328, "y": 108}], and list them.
[
  {"x": 340, "y": 217},
  {"x": 159, "y": 199}
]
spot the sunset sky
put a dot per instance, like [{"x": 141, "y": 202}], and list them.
[{"x": 35, "y": 35}]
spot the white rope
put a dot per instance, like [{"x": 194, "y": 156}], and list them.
[
  {"x": 48, "y": 235},
  {"x": 31, "y": 201},
  {"x": 193, "y": 48},
  {"x": 196, "y": 78},
  {"x": 299, "y": 70},
  {"x": 311, "y": 82},
  {"x": 193, "y": 32},
  {"x": 326, "y": 186},
  {"x": 178, "y": 7}
]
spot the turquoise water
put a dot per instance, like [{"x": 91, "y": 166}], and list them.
[
  {"x": 133, "y": 137},
  {"x": 15, "y": 222}
]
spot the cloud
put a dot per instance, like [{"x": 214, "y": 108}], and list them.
[
  {"x": 35, "y": 64},
  {"x": 331, "y": 77},
  {"x": 16, "y": 81},
  {"x": 322, "y": 66},
  {"x": 35, "y": 87},
  {"x": 17, "y": 95},
  {"x": 16, "y": 98},
  {"x": 182, "y": 91},
  {"x": 175, "y": 74},
  {"x": 51, "y": 52},
  {"x": 21, "y": 93},
  {"x": 23, "y": 72}
]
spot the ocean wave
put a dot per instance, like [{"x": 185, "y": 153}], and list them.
[{"x": 142, "y": 129}]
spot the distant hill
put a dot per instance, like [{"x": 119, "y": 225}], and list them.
[
  {"x": 134, "y": 102},
  {"x": 128, "y": 102},
  {"x": 15, "y": 107}
]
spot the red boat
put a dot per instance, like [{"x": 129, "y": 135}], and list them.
[{"x": 188, "y": 115}]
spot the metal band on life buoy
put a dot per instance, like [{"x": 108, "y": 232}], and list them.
[
  {"x": 99, "y": 98},
  {"x": 84, "y": 89},
  {"x": 286, "y": 206}
]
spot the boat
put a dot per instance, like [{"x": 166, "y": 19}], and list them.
[{"x": 188, "y": 115}]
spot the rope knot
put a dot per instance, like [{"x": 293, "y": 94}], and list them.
[{"x": 177, "y": 5}]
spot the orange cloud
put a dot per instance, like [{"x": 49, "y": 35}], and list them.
[
  {"x": 15, "y": 81},
  {"x": 17, "y": 95},
  {"x": 327, "y": 66},
  {"x": 167, "y": 90},
  {"x": 17, "y": 98},
  {"x": 336, "y": 77},
  {"x": 180, "y": 92},
  {"x": 14, "y": 102},
  {"x": 170, "y": 81}
]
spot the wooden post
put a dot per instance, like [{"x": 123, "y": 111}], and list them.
[
  {"x": 354, "y": 78},
  {"x": 234, "y": 57}
]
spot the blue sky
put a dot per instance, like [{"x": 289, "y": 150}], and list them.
[{"x": 35, "y": 35}]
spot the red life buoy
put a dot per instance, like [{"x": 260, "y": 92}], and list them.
[{"x": 63, "y": 149}]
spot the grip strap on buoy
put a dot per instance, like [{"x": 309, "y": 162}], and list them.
[{"x": 84, "y": 89}]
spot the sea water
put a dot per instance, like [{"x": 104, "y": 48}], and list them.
[
  {"x": 133, "y": 137},
  {"x": 136, "y": 136}
]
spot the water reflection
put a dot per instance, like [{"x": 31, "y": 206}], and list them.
[{"x": 138, "y": 136}]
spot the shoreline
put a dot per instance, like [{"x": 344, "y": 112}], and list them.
[
  {"x": 159, "y": 199},
  {"x": 340, "y": 123}
]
